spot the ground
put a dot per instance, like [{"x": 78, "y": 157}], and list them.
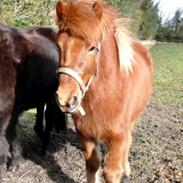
[{"x": 156, "y": 155}]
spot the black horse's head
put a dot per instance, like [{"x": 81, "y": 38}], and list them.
[{"x": 7, "y": 45}]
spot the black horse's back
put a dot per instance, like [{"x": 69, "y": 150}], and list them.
[{"x": 37, "y": 80}]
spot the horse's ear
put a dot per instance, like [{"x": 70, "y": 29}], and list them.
[
  {"x": 98, "y": 10},
  {"x": 7, "y": 47},
  {"x": 59, "y": 9}
]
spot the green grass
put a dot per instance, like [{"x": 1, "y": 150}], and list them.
[{"x": 168, "y": 73}]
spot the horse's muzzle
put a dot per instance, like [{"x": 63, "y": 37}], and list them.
[
  {"x": 70, "y": 106},
  {"x": 73, "y": 105}
]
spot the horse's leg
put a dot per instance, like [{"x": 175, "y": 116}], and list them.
[
  {"x": 13, "y": 142},
  {"x": 92, "y": 160},
  {"x": 2, "y": 155},
  {"x": 117, "y": 167},
  {"x": 3, "y": 147},
  {"x": 48, "y": 129},
  {"x": 38, "y": 128}
]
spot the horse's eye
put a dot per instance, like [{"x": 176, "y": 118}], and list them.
[{"x": 91, "y": 49}]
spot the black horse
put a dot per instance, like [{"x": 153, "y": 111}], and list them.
[
  {"x": 33, "y": 55},
  {"x": 7, "y": 91}
]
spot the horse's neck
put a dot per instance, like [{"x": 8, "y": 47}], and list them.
[
  {"x": 108, "y": 65},
  {"x": 107, "y": 84},
  {"x": 108, "y": 78}
]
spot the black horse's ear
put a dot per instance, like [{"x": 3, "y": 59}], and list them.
[
  {"x": 60, "y": 10},
  {"x": 7, "y": 48},
  {"x": 98, "y": 10}
]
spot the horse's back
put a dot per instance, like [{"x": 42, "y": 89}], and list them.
[
  {"x": 140, "y": 87},
  {"x": 144, "y": 53},
  {"x": 36, "y": 77}
]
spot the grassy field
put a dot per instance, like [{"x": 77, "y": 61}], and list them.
[
  {"x": 157, "y": 152},
  {"x": 168, "y": 72},
  {"x": 158, "y": 139}
]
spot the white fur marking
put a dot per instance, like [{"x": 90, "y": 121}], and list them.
[
  {"x": 97, "y": 177},
  {"x": 127, "y": 169},
  {"x": 93, "y": 178},
  {"x": 125, "y": 50}
]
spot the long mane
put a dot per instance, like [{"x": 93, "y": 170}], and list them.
[{"x": 79, "y": 19}]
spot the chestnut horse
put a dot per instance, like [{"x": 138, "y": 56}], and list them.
[{"x": 105, "y": 82}]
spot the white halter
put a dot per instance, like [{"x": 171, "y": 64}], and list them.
[{"x": 74, "y": 74}]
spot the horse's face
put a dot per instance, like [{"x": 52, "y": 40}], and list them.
[
  {"x": 78, "y": 66},
  {"x": 78, "y": 39}
]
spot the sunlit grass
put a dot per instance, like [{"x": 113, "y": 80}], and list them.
[{"x": 168, "y": 73}]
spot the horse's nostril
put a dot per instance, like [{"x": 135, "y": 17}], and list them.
[
  {"x": 73, "y": 102},
  {"x": 64, "y": 102},
  {"x": 57, "y": 94}
]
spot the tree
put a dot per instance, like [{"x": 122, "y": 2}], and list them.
[
  {"x": 141, "y": 15},
  {"x": 130, "y": 9},
  {"x": 150, "y": 17},
  {"x": 171, "y": 30},
  {"x": 177, "y": 23}
]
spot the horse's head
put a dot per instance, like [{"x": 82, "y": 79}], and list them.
[{"x": 79, "y": 42}]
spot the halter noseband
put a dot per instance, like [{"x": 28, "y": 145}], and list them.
[{"x": 84, "y": 88}]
